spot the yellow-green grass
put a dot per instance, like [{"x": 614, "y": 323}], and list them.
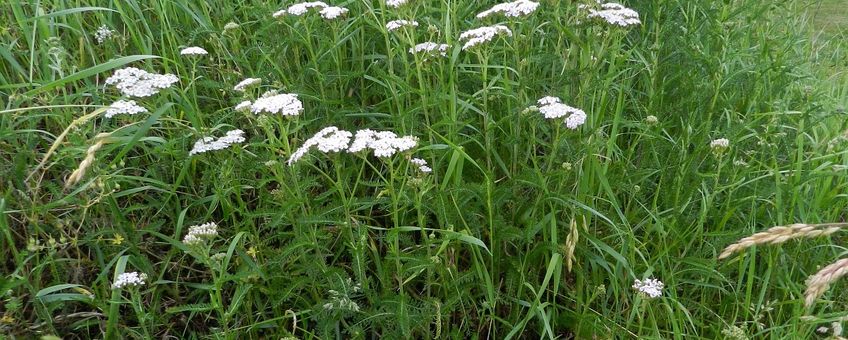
[{"x": 831, "y": 16}]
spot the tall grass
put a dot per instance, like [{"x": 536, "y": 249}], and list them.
[{"x": 524, "y": 228}]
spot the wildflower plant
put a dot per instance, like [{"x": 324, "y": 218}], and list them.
[{"x": 420, "y": 169}]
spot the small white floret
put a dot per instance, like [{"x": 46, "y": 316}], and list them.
[{"x": 103, "y": 33}]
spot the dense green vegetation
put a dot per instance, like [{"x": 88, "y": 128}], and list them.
[{"x": 524, "y": 228}]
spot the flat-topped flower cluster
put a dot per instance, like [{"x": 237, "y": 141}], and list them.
[
  {"x": 511, "y": 9},
  {"x": 127, "y": 107},
  {"x": 613, "y": 13},
  {"x": 482, "y": 35},
  {"x": 285, "y": 104},
  {"x": 553, "y": 108},
  {"x": 134, "y": 82},
  {"x": 207, "y": 144},
  {"x": 326, "y": 11},
  {"x": 332, "y": 139},
  {"x": 129, "y": 279}
]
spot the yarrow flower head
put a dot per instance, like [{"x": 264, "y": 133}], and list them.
[
  {"x": 720, "y": 145},
  {"x": 247, "y": 83},
  {"x": 130, "y": 279},
  {"x": 430, "y": 49},
  {"x": 212, "y": 144},
  {"x": 615, "y": 14},
  {"x": 511, "y": 9},
  {"x": 329, "y": 139},
  {"x": 422, "y": 165},
  {"x": 651, "y": 288},
  {"x": 482, "y": 35},
  {"x": 398, "y": 24},
  {"x": 301, "y": 8},
  {"x": 382, "y": 143},
  {"x": 127, "y": 107},
  {"x": 103, "y": 33},
  {"x": 244, "y": 106},
  {"x": 396, "y": 3},
  {"x": 193, "y": 51},
  {"x": 553, "y": 108},
  {"x": 332, "y": 12},
  {"x": 135, "y": 82},
  {"x": 285, "y": 104},
  {"x": 197, "y": 234}
]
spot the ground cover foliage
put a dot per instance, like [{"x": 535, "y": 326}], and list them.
[{"x": 489, "y": 214}]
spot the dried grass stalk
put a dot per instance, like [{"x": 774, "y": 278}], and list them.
[
  {"x": 820, "y": 282},
  {"x": 781, "y": 234},
  {"x": 571, "y": 244},
  {"x": 100, "y": 140}
]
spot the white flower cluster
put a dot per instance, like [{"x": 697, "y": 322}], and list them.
[
  {"x": 383, "y": 143},
  {"x": 301, "y": 8},
  {"x": 333, "y": 12},
  {"x": 285, "y": 104},
  {"x": 135, "y": 82},
  {"x": 198, "y": 234},
  {"x": 553, "y": 108},
  {"x": 720, "y": 144},
  {"x": 131, "y": 279},
  {"x": 481, "y": 35},
  {"x": 212, "y": 144},
  {"x": 395, "y": 3},
  {"x": 127, "y": 107},
  {"x": 652, "y": 288},
  {"x": 192, "y": 51},
  {"x": 244, "y": 106},
  {"x": 430, "y": 49},
  {"x": 103, "y": 33},
  {"x": 511, "y": 9},
  {"x": 615, "y": 14},
  {"x": 331, "y": 139},
  {"x": 397, "y": 24},
  {"x": 422, "y": 165},
  {"x": 247, "y": 83}
]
